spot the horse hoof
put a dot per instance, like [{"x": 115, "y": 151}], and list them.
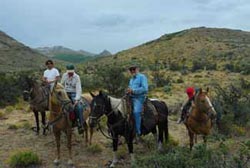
[
  {"x": 113, "y": 163},
  {"x": 56, "y": 162},
  {"x": 70, "y": 162}
]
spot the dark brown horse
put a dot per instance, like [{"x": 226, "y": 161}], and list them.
[
  {"x": 60, "y": 107},
  {"x": 200, "y": 118},
  {"x": 37, "y": 96}
]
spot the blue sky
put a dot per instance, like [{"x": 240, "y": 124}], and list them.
[{"x": 115, "y": 25}]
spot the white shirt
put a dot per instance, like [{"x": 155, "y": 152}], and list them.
[
  {"x": 51, "y": 74},
  {"x": 72, "y": 84}
]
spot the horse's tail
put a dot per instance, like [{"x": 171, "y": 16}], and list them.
[{"x": 165, "y": 127}]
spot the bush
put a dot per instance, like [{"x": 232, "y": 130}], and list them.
[
  {"x": 95, "y": 148},
  {"x": 24, "y": 159}
]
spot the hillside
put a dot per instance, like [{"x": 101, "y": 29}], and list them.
[
  {"x": 15, "y": 56},
  {"x": 210, "y": 45}
]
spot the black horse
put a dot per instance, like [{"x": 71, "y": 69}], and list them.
[
  {"x": 37, "y": 96},
  {"x": 119, "y": 124}
]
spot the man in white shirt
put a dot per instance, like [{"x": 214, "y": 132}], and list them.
[
  {"x": 51, "y": 74},
  {"x": 72, "y": 84}
]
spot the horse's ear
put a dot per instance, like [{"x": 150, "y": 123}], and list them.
[
  {"x": 100, "y": 93},
  {"x": 92, "y": 94},
  {"x": 200, "y": 90},
  {"x": 207, "y": 89}
]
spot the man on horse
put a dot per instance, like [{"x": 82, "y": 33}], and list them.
[
  {"x": 51, "y": 74},
  {"x": 190, "y": 91},
  {"x": 137, "y": 90},
  {"x": 72, "y": 84}
]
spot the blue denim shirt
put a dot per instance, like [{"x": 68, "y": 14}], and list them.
[{"x": 139, "y": 85}]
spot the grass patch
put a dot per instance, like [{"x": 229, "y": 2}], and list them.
[
  {"x": 95, "y": 148},
  {"x": 24, "y": 158},
  {"x": 9, "y": 109},
  {"x": 13, "y": 127}
]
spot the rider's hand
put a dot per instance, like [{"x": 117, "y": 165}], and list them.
[
  {"x": 129, "y": 91},
  {"x": 76, "y": 102}
]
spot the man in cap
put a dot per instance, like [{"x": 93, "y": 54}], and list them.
[
  {"x": 72, "y": 84},
  {"x": 137, "y": 89}
]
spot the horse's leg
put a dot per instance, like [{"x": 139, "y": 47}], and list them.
[
  {"x": 205, "y": 139},
  {"x": 165, "y": 129},
  {"x": 195, "y": 138},
  {"x": 57, "y": 135},
  {"x": 160, "y": 136},
  {"x": 37, "y": 121},
  {"x": 115, "y": 145},
  {"x": 44, "y": 121},
  {"x": 69, "y": 137},
  {"x": 154, "y": 132},
  {"x": 191, "y": 139},
  {"x": 91, "y": 135},
  {"x": 86, "y": 133},
  {"x": 131, "y": 147}
]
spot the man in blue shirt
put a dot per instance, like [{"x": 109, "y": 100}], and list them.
[{"x": 137, "y": 89}]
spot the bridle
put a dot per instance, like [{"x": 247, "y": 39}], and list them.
[
  {"x": 64, "y": 111},
  {"x": 105, "y": 111}
]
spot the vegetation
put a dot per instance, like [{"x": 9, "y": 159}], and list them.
[
  {"x": 24, "y": 158},
  {"x": 200, "y": 157}
]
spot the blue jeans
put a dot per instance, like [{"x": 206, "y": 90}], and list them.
[
  {"x": 137, "y": 110},
  {"x": 78, "y": 108}
]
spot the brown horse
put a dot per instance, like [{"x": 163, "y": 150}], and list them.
[
  {"x": 200, "y": 118},
  {"x": 60, "y": 107}
]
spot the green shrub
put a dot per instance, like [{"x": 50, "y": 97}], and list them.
[
  {"x": 95, "y": 148},
  {"x": 13, "y": 127},
  {"x": 24, "y": 159},
  {"x": 9, "y": 109}
]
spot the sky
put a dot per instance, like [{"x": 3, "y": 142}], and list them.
[{"x": 115, "y": 25}]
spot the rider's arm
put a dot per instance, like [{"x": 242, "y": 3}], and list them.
[
  {"x": 143, "y": 89},
  {"x": 78, "y": 89}
]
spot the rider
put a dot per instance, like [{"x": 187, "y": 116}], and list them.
[
  {"x": 137, "y": 89},
  {"x": 72, "y": 84},
  {"x": 51, "y": 74},
  {"x": 190, "y": 91}
]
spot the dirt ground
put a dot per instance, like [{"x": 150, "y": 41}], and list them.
[{"x": 12, "y": 140}]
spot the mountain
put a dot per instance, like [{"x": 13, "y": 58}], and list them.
[
  {"x": 70, "y": 55},
  {"x": 104, "y": 53},
  {"x": 15, "y": 56},
  {"x": 219, "y": 47}
]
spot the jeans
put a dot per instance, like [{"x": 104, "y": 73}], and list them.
[
  {"x": 137, "y": 110},
  {"x": 78, "y": 108}
]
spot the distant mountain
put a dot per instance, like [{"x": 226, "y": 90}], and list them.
[
  {"x": 15, "y": 56},
  {"x": 70, "y": 55},
  {"x": 213, "y": 46},
  {"x": 65, "y": 54},
  {"x": 104, "y": 53}
]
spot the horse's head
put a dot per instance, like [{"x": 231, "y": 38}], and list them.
[
  {"x": 29, "y": 84},
  {"x": 59, "y": 98},
  {"x": 203, "y": 103},
  {"x": 99, "y": 106}
]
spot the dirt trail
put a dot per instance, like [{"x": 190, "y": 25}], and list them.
[{"x": 22, "y": 138}]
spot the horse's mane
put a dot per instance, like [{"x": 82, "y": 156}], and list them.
[{"x": 118, "y": 105}]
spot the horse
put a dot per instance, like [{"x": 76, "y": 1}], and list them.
[
  {"x": 37, "y": 96},
  {"x": 200, "y": 118},
  {"x": 60, "y": 108},
  {"x": 119, "y": 124}
]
